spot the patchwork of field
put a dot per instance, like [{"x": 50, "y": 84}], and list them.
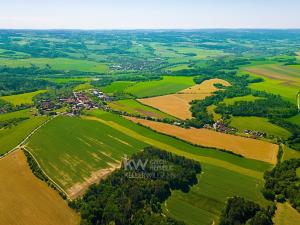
[
  {"x": 178, "y": 104},
  {"x": 286, "y": 215},
  {"x": 74, "y": 152},
  {"x": 286, "y": 79},
  {"x": 27, "y": 200},
  {"x": 22, "y": 98},
  {"x": 203, "y": 204},
  {"x": 12, "y": 137},
  {"x": 259, "y": 124},
  {"x": 165, "y": 86},
  {"x": 135, "y": 108},
  {"x": 250, "y": 148},
  {"x": 65, "y": 64}
]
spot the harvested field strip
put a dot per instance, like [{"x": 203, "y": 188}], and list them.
[
  {"x": 177, "y": 151},
  {"x": 250, "y": 148},
  {"x": 178, "y": 105},
  {"x": 286, "y": 215},
  {"x": 27, "y": 200}
]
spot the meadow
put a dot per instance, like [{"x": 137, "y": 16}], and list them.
[
  {"x": 259, "y": 124},
  {"x": 117, "y": 87},
  {"x": 295, "y": 119},
  {"x": 22, "y": 98},
  {"x": 27, "y": 200},
  {"x": 167, "y": 85},
  {"x": 133, "y": 107},
  {"x": 65, "y": 64},
  {"x": 247, "y": 98}
]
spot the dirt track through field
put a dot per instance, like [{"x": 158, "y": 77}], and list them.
[
  {"x": 247, "y": 147},
  {"x": 178, "y": 104}
]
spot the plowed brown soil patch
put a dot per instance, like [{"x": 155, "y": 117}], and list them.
[
  {"x": 247, "y": 147},
  {"x": 24, "y": 199},
  {"x": 178, "y": 105}
]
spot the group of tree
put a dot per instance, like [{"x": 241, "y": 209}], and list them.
[
  {"x": 282, "y": 183},
  {"x": 124, "y": 199},
  {"x": 239, "y": 211}
]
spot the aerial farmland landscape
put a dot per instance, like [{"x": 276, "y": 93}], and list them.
[{"x": 141, "y": 115}]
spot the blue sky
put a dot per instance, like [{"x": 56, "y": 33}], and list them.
[{"x": 149, "y": 14}]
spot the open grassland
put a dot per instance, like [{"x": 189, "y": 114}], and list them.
[
  {"x": 16, "y": 114},
  {"x": 278, "y": 79},
  {"x": 295, "y": 119},
  {"x": 76, "y": 152},
  {"x": 286, "y": 215},
  {"x": 211, "y": 110},
  {"x": 22, "y": 98},
  {"x": 247, "y": 98},
  {"x": 165, "y": 86},
  {"x": 178, "y": 104},
  {"x": 259, "y": 124},
  {"x": 68, "y": 80},
  {"x": 178, "y": 67},
  {"x": 83, "y": 87},
  {"x": 204, "y": 202},
  {"x": 199, "y": 53},
  {"x": 12, "y": 137},
  {"x": 135, "y": 108},
  {"x": 117, "y": 87},
  {"x": 289, "y": 153},
  {"x": 65, "y": 64},
  {"x": 27, "y": 200},
  {"x": 250, "y": 148}
]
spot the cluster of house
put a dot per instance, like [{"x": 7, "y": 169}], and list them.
[
  {"x": 220, "y": 126},
  {"x": 101, "y": 95},
  {"x": 255, "y": 134}
]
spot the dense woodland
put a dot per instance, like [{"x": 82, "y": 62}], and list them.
[{"x": 123, "y": 200}]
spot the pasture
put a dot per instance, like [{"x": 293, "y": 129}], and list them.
[
  {"x": 295, "y": 119},
  {"x": 178, "y": 67},
  {"x": 249, "y": 148},
  {"x": 165, "y": 86},
  {"x": 178, "y": 104},
  {"x": 247, "y": 98},
  {"x": 65, "y": 64},
  {"x": 76, "y": 152},
  {"x": 68, "y": 80},
  {"x": 135, "y": 108},
  {"x": 259, "y": 124},
  {"x": 27, "y": 200},
  {"x": 19, "y": 99}
]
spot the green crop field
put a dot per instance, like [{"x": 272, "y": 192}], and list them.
[
  {"x": 179, "y": 67},
  {"x": 295, "y": 119},
  {"x": 167, "y": 85},
  {"x": 135, "y": 108},
  {"x": 83, "y": 87},
  {"x": 200, "y": 53},
  {"x": 278, "y": 79},
  {"x": 22, "y": 98},
  {"x": 11, "y": 137},
  {"x": 210, "y": 187},
  {"x": 58, "y": 64},
  {"x": 259, "y": 124},
  {"x": 16, "y": 114},
  {"x": 68, "y": 80},
  {"x": 70, "y": 149},
  {"x": 117, "y": 86}
]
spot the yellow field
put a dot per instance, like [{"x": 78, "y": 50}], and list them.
[
  {"x": 178, "y": 105},
  {"x": 247, "y": 147},
  {"x": 22, "y": 98},
  {"x": 27, "y": 200},
  {"x": 286, "y": 215}
]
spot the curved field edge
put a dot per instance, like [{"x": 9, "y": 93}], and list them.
[{"x": 27, "y": 200}]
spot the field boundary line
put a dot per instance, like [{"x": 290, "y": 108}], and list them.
[
  {"x": 52, "y": 181},
  {"x": 27, "y": 137}
]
